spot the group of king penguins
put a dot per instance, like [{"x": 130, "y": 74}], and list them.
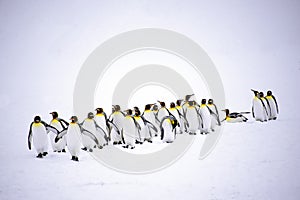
[{"x": 132, "y": 127}]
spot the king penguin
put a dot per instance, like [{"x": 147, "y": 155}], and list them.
[
  {"x": 193, "y": 117},
  {"x": 174, "y": 111},
  {"x": 117, "y": 118},
  {"x": 163, "y": 111},
  {"x": 129, "y": 130},
  {"x": 206, "y": 118},
  {"x": 60, "y": 125},
  {"x": 273, "y": 105},
  {"x": 167, "y": 126},
  {"x": 38, "y": 133},
  {"x": 259, "y": 110},
  {"x": 101, "y": 120},
  {"x": 214, "y": 120},
  {"x": 149, "y": 115},
  {"x": 235, "y": 116}
]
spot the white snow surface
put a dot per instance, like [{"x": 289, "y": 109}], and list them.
[{"x": 253, "y": 44}]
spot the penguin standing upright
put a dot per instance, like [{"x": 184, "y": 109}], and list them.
[
  {"x": 60, "y": 125},
  {"x": 214, "y": 120},
  {"x": 129, "y": 130},
  {"x": 173, "y": 110},
  {"x": 73, "y": 135},
  {"x": 149, "y": 115},
  {"x": 155, "y": 111},
  {"x": 142, "y": 134},
  {"x": 180, "y": 110},
  {"x": 101, "y": 120},
  {"x": 267, "y": 105},
  {"x": 273, "y": 105},
  {"x": 91, "y": 125},
  {"x": 117, "y": 118},
  {"x": 259, "y": 110},
  {"x": 193, "y": 118},
  {"x": 206, "y": 118},
  {"x": 167, "y": 126},
  {"x": 38, "y": 133}
]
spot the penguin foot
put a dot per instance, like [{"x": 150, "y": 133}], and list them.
[
  {"x": 90, "y": 150},
  {"x": 76, "y": 159},
  {"x": 169, "y": 141},
  {"x": 84, "y": 149},
  {"x": 73, "y": 158},
  {"x": 100, "y": 147},
  {"x": 190, "y": 133},
  {"x": 40, "y": 155},
  {"x": 132, "y": 147},
  {"x": 95, "y": 146},
  {"x": 274, "y": 118},
  {"x": 59, "y": 151},
  {"x": 156, "y": 135},
  {"x": 45, "y": 153},
  {"x": 126, "y": 146},
  {"x": 115, "y": 143},
  {"x": 150, "y": 141},
  {"x": 54, "y": 150},
  {"x": 119, "y": 142},
  {"x": 64, "y": 151}
]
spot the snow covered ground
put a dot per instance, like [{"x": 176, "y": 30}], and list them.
[{"x": 253, "y": 45}]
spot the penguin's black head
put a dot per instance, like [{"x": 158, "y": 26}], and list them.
[
  {"x": 117, "y": 108},
  {"x": 90, "y": 115},
  {"x": 172, "y": 105},
  {"x": 187, "y": 97},
  {"x": 54, "y": 114},
  {"x": 136, "y": 108},
  {"x": 99, "y": 110},
  {"x": 191, "y": 103},
  {"x": 203, "y": 101},
  {"x": 37, "y": 119},
  {"x": 148, "y": 106},
  {"x": 137, "y": 112},
  {"x": 74, "y": 119},
  {"x": 269, "y": 93},
  {"x": 128, "y": 112},
  {"x": 210, "y": 101},
  {"x": 155, "y": 107},
  {"x": 255, "y": 92},
  {"x": 178, "y": 102},
  {"x": 261, "y": 94},
  {"x": 162, "y": 104},
  {"x": 226, "y": 111}
]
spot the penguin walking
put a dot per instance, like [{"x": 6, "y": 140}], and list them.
[
  {"x": 149, "y": 115},
  {"x": 259, "y": 110},
  {"x": 215, "y": 120},
  {"x": 206, "y": 117},
  {"x": 129, "y": 130},
  {"x": 187, "y": 98},
  {"x": 173, "y": 111},
  {"x": 182, "y": 121},
  {"x": 101, "y": 120},
  {"x": 73, "y": 134},
  {"x": 167, "y": 126},
  {"x": 60, "y": 125},
  {"x": 273, "y": 105},
  {"x": 38, "y": 135},
  {"x": 193, "y": 117},
  {"x": 90, "y": 124},
  {"x": 117, "y": 118},
  {"x": 155, "y": 111},
  {"x": 235, "y": 116}
]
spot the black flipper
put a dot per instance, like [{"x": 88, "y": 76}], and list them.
[
  {"x": 63, "y": 123},
  {"x": 149, "y": 124},
  {"x": 201, "y": 120},
  {"x": 214, "y": 115},
  {"x": 30, "y": 137},
  {"x": 253, "y": 112},
  {"x": 89, "y": 134},
  {"x": 276, "y": 104},
  {"x": 98, "y": 128},
  {"x": 60, "y": 135},
  {"x": 50, "y": 128}
]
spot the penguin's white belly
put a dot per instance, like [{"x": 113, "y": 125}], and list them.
[
  {"x": 144, "y": 131},
  {"x": 100, "y": 120},
  {"x": 258, "y": 110},
  {"x": 192, "y": 118},
  {"x": 267, "y": 112},
  {"x": 73, "y": 138},
  {"x": 87, "y": 141},
  {"x": 162, "y": 113},
  {"x": 118, "y": 121},
  {"x": 169, "y": 135},
  {"x": 40, "y": 139},
  {"x": 273, "y": 109},
  {"x": 149, "y": 116},
  {"x": 129, "y": 131},
  {"x": 60, "y": 145},
  {"x": 206, "y": 119}
]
